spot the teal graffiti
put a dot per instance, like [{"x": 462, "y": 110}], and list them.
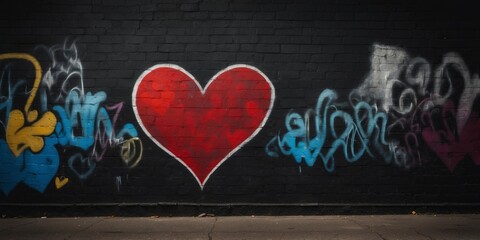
[{"x": 362, "y": 133}]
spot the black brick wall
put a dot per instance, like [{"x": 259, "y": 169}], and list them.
[{"x": 302, "y": 46}]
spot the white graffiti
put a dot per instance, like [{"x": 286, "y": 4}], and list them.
[
  {"x": 396, "y": 82},
  {"x": 387, "y": 64},
  {"x": 469, "y": 91},
  {"x": 426, "y": 109},
  {"x": 66, "y": 70}
]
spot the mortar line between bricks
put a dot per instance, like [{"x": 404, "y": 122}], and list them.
[{"x": 84, "y": 229}]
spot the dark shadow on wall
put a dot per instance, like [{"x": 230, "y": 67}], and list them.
[{"x": 205, "y": 210}]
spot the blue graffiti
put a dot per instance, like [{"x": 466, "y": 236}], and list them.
[
  {"x": 84, "y": 112},
  {"x": 78, "y": 113},
  {"x": 83, "y": 125},
  {"x": 6, "y": 102},
  {"x": 34, "y": 170},
  {"x": 81, "y": 166},
  {"x": 333, "y": 130}
]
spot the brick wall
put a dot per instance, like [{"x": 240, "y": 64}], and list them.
[{"x": 307, "y": 102}]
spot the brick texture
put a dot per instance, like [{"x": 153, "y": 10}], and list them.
[{"x": 365, "y": 51}]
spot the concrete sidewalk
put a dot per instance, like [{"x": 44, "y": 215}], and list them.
[{"x": 369, "y": 227}]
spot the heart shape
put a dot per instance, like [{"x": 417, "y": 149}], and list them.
[
  {"x": 202, "y": 128},
  {"x": 452, "y": 149},
  {"x": 60, "y": 182},
  {"x": 81, "y": 166}
]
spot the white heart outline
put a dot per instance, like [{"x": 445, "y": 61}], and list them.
[{"x": 202, "y": 90}]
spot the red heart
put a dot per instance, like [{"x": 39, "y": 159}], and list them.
[
  {"x": 202, "y": 128},
  {"x": 452, "y": 149}
]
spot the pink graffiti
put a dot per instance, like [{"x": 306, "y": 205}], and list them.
[
  {"x": 448, "y": 144},
  {"x": 105, "y": 137}
]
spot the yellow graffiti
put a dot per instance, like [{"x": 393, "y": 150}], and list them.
[
  {"x": 19, "y": 136},
  {"x": 60, "y": 182},
  {"x": 131, "y": 151}
]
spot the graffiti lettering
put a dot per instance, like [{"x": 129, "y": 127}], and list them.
[
  {"x": 77, "y": 120},
  {"x": 416, "y": 109},
  {"x": 106, "y": 135},
  {"x": 19, "y": 136},
  {"x": 76, "y": 108},
  {"x": 362, "y": 133}
]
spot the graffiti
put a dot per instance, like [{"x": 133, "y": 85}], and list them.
[
  {"x": 67, "y": 118},
  {"x": 27, "y": 151},
  {"x": 443, "y": 117},
  {"x": 25, "y": 130},
  {"x": 60, "y": 182},
  {"x": 85, "y": 109},
  {"x": 118, "y": 182},
  {"x": 81, "y": 166},
  {"x": 387, "y": 64},
  {"x": 64, "y": 74},
  {"x": 202, "y": 127},
  {"x": 404, "y": 112},
  {"x": 453, "y": 62},
  {"x": 406, "y": 130},
  {"x": 419, "y": 111},
  {"x": 97, "y": 130},
  {"x": 362, "y": 133},
  {"x": 449, "y": 145},
  {"x": 84, "y": 122},
  {"x": 35, "y": 170},
  {"x": 131, "y": 151}
]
